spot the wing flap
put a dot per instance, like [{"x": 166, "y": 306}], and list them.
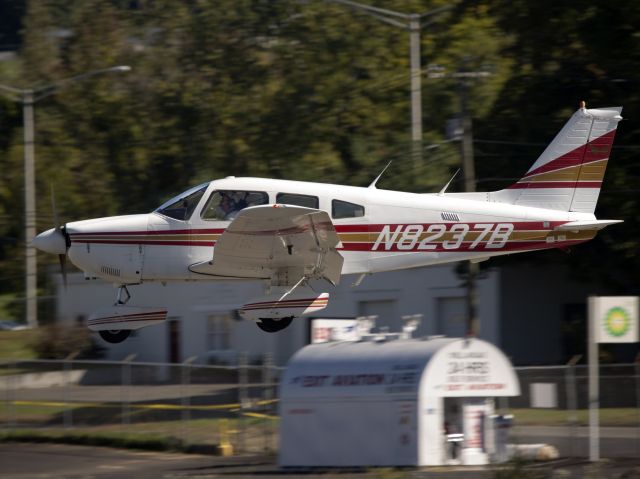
[{"x": 263, "y": 240}]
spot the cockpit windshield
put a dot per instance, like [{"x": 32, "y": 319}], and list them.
[{"x": 181, "y": 207}]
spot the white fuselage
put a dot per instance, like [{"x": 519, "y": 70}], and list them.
[{"x": 397, "y": 230}]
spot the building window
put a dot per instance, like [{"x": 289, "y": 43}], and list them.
[
  {"x": 219, "y": 331},
  {"x": 306, "y": 201},
  {"x": 344, "y": 209}
]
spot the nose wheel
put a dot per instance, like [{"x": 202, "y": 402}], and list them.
[{"x": 269, "y": 325}]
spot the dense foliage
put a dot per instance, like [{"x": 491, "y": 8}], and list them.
[{"x": 307, "y": 90}]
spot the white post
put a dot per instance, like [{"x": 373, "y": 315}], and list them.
[
  {"x": 185, "y": 400},
  {"x": 572, "y": 400},
  {"x": 243, "y": 399},
  {"x": 637, "y": 371},
  {"x": 594, "y": 383},
  {"x": 125, "y": 389}
]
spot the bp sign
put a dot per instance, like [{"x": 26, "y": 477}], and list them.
[{"x": 615, "y": 319}]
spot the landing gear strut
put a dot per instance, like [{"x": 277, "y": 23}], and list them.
[
  {"x": 115, "y": 336},
  {"x": 269, "y": 325},
  {"x": 123, "y": 289}
]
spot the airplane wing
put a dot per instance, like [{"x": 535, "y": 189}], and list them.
[{"x": 267, "y": 240}]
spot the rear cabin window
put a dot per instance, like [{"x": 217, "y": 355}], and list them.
[
  {"x": 344, "y": 209},
  {"x": 299, "y": 200},
  {"x": 224, "y": 205}
]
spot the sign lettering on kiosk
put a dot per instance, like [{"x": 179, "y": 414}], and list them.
[{"x": 472, "y": 370}]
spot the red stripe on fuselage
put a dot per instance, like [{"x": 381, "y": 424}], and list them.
[
  {"x": 517, "y": 225},
  {"x": 465, "y": 247},
  {"x": 147, "y": 242},
  {"x": 152, "y": 233},
  {"x": 119, "y": 238}
]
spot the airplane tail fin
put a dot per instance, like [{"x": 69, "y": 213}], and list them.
[{"x": 569, "y": 173}]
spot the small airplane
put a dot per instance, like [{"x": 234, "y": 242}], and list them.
[{"x": 290, "y": 233}]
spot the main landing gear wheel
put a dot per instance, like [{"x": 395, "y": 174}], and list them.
[
  {"x": 115, "y": 336},
  {"x": 269, "y": 325}
]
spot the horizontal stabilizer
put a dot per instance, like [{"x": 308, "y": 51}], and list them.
[{"x": 586, "y": 225}]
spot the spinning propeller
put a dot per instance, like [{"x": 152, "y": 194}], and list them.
[{"x": 55, "y": 240}]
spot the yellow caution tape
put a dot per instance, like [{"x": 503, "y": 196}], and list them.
[
  {"x": 259, "y": 416},
  {"x": 213, "y": 407}
]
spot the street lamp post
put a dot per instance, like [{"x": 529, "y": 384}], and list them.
[
  {"x": 413, "y": 23},
  {"x": 28, "y": 97}
]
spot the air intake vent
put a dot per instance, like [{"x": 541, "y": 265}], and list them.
[
  {"x": 450, "y": 216},
  {"x": 108, "y": 270}
]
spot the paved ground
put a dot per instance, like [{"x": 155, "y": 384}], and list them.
[
  {"x": 574, "y": 442},
  {"x": 55, "y": 461}
]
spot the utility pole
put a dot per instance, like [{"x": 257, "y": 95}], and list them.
[
  {"x": 31, "y": 276},
  {"x": 416, "y": 93},
  {"x": 469, "y": 173},
  {"x": 413, "y": 23}
]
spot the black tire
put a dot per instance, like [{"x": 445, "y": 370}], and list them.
[
  {"x": 116, "y": 336},
  {"x": 269, "y": 325}
]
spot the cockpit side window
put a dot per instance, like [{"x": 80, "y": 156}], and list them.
[
  {"x": 344, "y": 209},
  {"x": 307, "y": 201},
  {"x": 181, "y": 207},
  {"x": 224, "y": 205}
]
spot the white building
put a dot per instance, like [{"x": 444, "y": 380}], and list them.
[{"x": 521, "y": 310}]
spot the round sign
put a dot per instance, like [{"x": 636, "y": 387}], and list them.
[{"x": 617, "y": 321}]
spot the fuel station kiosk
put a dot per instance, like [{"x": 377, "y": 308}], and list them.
[{"x": 387, "y": 401}]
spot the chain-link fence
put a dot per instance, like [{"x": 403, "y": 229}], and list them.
[
  {"x": 553, "y": 408},
  {"x": 234, "y": 408}
]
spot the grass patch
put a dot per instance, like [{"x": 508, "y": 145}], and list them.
[
  {"x": 625, "y": 417},
  {"x": 196, "y": 432},
  {"x": 199, "y": 436},
  {"x": 148, "y": 442},
  {"x": 5, "y": 305},
  {"x": 16, "y": 345}
]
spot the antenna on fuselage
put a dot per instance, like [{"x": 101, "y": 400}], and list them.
[
  {"x": 373, "y": 183},
  {"x": 444, "y": 188}
]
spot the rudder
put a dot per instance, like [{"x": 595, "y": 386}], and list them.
[{"x": 569, "y": 173}]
